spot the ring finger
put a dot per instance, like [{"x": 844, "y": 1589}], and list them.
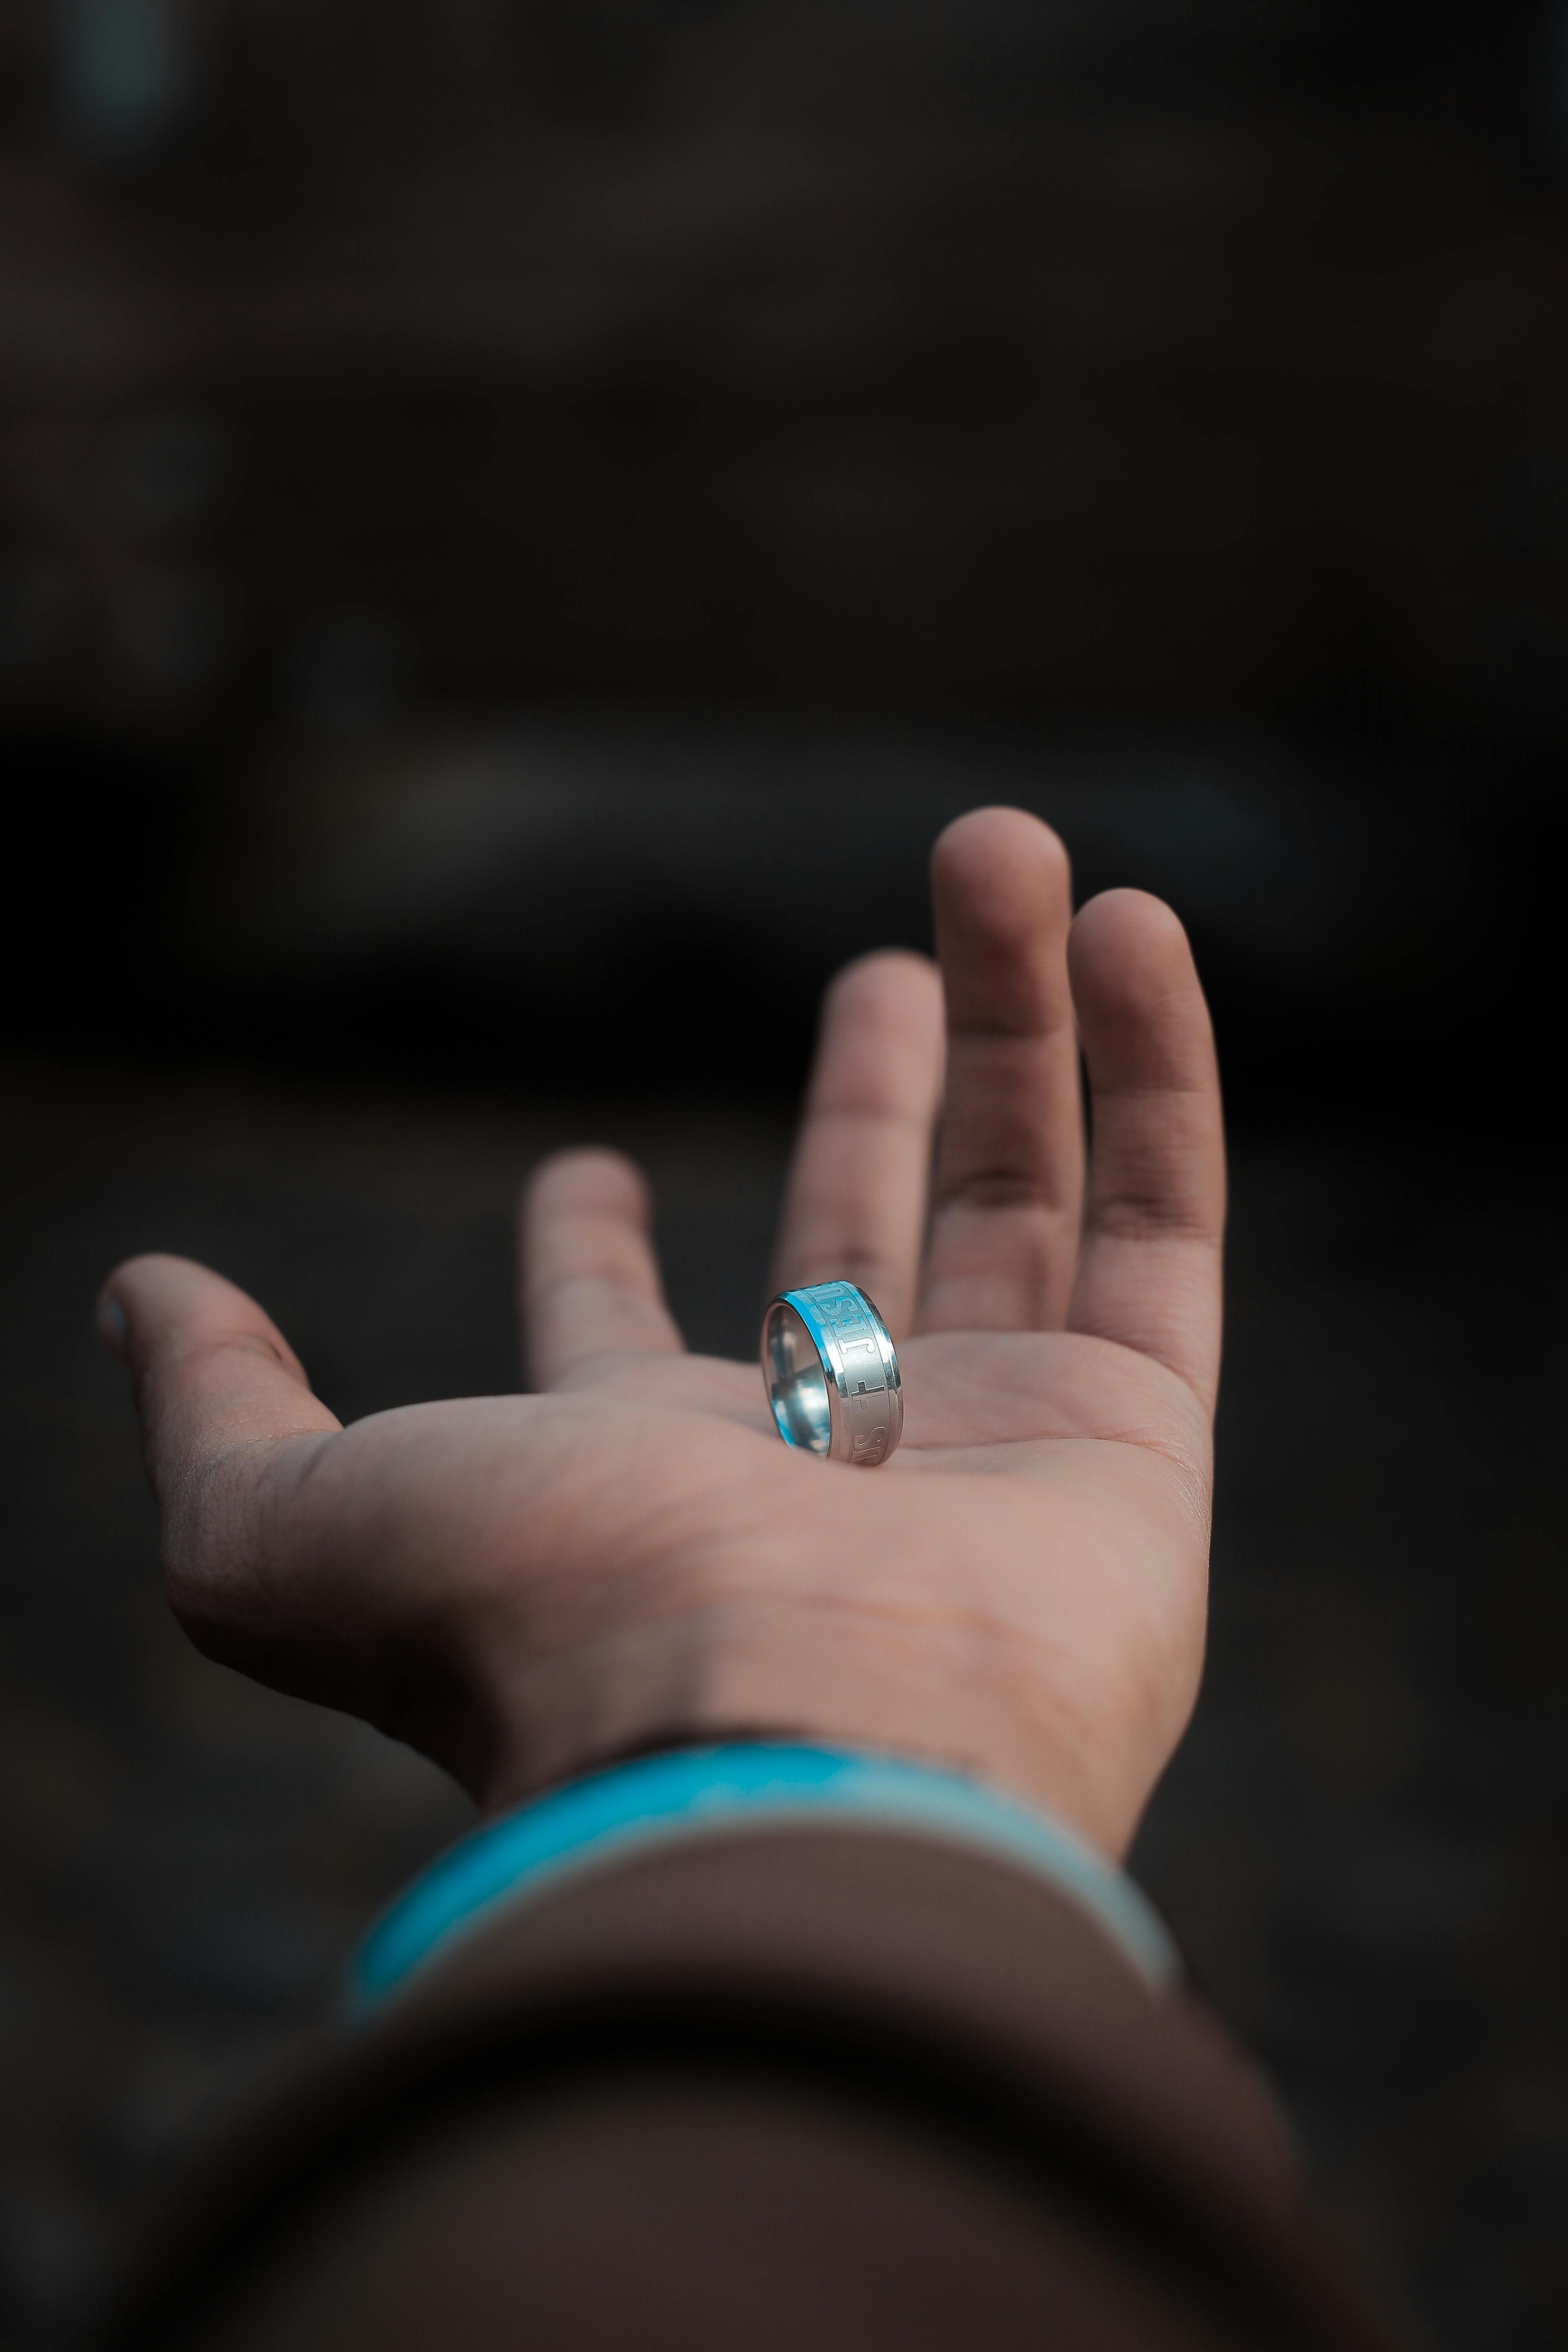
[{"x": 855, "y": 1203}]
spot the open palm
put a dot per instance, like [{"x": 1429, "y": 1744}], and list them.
[{"x": 526, "y": 1586}]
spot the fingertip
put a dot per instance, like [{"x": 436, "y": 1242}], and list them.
[
  {"x": 157, "y": 1306},
  {"x": 998, "y": 846},
  {"x": 980, "y": 830},
  {"x": 153, "y": 1270},
  {"x": 1129, "y": 917},
  {"x": 141, "y": 1289},
  {"x": 884, "y": 972},
  {"x": 1129, "y": 951},
  {"x": 890, "y": 998},
  {"x": 592, "y": 1177}
]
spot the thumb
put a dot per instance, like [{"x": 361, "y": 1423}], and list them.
[{"x": 229, "y": 1422}]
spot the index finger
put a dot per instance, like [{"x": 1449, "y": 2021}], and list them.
[{"x": 1149, "y": 1271}]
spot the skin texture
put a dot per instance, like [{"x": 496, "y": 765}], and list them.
[{"x": 527, "y": 1586}]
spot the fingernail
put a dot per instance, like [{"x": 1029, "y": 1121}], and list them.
[{"x": 111, "y": 1326}]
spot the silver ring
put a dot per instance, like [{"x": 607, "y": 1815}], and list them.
[{"x": 831, "y": 1374}]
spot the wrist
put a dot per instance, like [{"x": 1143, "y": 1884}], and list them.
[{"x": 781, "y": 1666}]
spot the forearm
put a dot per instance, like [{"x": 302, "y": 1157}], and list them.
[{"x": 773, "y": 2072}]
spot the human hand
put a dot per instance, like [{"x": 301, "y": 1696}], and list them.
[{"x": 526, "y": 1586}]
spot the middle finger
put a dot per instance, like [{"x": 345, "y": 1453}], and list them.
[{"x": 1009, "y": 1179}]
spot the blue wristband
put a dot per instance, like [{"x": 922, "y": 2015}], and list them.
[{"x": 692, "y": 1792}]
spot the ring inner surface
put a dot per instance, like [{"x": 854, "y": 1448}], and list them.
[{"x": 798, "y": 1389}]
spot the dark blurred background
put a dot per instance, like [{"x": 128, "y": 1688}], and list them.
[{"x": 519, "y": 521}]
